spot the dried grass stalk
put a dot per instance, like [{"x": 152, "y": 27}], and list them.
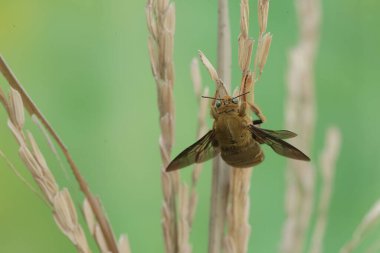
[
  {"x": 224, "y": 43},
  {"x": 238, "y": 211},
  {"x": 161, "y": 25},
  {"x": 33, "y": 110},
  {"x": 202, "y": 129},
  {"x": 371, "y": 219},
  {"x": 183, "y": 223},
  {"x": 188, "y": 198},
  {"x": 238, "y": 231},
  {"x": 220, "y": 178},
  {"x": 220, "y": 170},
  {"x": 300, "y": 118},
  {"x": 236, "y": 240},
  {"x": 328, "y": 166},
  {"x": 60, "y": 201}
]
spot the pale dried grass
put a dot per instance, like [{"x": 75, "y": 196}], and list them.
[
  {"x": 220, "y": 178},
  {"x": 238, "y": 232},
  {"x": 233, "y": 186},
  {"x": 202, "y": 129},
  {"x": 300, "y": 118},
  {"x": 328, "y": 161},
  {"x": 160, "y": 16},
  {"x": 59, "y": 200},
  {"x": 220, "y": 170}
]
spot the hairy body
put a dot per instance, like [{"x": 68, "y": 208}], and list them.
[{"x": 236, "y": 138}]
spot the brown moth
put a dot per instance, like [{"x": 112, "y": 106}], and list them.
[{"x": 236, "y": 137}]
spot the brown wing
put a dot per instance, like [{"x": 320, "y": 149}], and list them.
[
  {"x": 203, "y": 150},
  {"x": 280, "y": 134},
  {"x": 273, "y": 139}
]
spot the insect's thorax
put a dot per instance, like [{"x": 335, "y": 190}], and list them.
[{"x": 231, "y": 129}]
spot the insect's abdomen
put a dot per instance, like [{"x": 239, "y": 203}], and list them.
[{"x": 244, "y": 155}]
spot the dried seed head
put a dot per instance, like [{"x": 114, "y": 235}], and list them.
[
  {"x": 263, "y": 7},
  {"x": 64, "y": 213},
  {"x": 245, "y": 53},
  {"x": 220, "y": 89},
  {"x": 17, "y": 133},
  {"x": 151, "y": 21},
  {"x": 264, "y": 51},
  {"x": 16, "y": 109},
  {"x": 244, "y": 18},
  {"x": 89, "y": 216},
  {"x": 153, "y": 56},
  {"x": 209, "y": 67},
  {"x": 123, "y": 244},
  {"x": 100, "y": 240}
]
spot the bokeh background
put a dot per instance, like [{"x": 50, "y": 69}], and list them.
[{"x": 85, "y": 63}]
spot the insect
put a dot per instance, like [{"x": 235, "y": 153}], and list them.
[{"x": 236, "y": 138}]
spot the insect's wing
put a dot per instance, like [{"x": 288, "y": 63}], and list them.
[
  {"x": 280, "y": 134},
  {"x": 202, "y": 150},
  {"x": 273, "y": 139}
]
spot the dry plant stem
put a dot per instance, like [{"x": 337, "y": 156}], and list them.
[
  {"x": 371, "y": 219},
  {"x": 59, "y": 201},
  {"x": 300, "y": 118},
  {"x": 220, "y": 179},
  {"x": 202, "y": 128},
  {"x": 236, "y": 240},
  {"x": 327, "y": 164},
  {"x": 238, "y": 212},
  {"x": 239, "y": 229},
  {"x": 224, "y": 43},
  {"x": 220, "y": 170},
  {"x": 161, "y": 25},
  {"x": 33, "y": 110},
  {"x": 188, "y": 198}
]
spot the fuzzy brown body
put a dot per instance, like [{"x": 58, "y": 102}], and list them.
[
  {"x": 237, "y": 146},
  {"x": 236, "y": 138}
]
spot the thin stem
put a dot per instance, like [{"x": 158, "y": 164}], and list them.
[{"x": 221, "y": 171}]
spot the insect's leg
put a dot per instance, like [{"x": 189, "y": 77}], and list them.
[
  {"x": 242, "y": 108},
  {"x": 257, "y": 122},
  {"x": 257, "y": 111},
  {"x": 214, "y": 114}
]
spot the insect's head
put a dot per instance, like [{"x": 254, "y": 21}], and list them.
[{"x": 226, "y": 104}]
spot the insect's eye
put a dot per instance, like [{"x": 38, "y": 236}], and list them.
[
  {"x": 235, "y": 100},
  {"x": 218, "y": 103}
]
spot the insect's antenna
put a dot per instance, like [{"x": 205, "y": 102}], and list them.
[
  {"x": 241, "y": 94},
  {"x": 212, "y": 98}
]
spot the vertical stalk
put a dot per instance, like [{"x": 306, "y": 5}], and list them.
[
  {"x": 220, "y": 171},
  {"x": 300, "y": 117},
  {"x": 161, "y": 25}
]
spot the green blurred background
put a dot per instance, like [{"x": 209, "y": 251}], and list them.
[{"x": 85, "y": 64}]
